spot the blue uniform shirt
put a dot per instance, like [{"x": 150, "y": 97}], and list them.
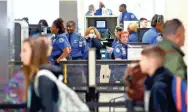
[
  {"x": 59, "y": 43},
  {"x": 115, "y": 42},
  {"x": 152, "y": 36},
  {"x": 133, "y": 37},
  {"x": 77, "y": 43},
  {"x": 120, "y": 51},
  {"x": 99, "y": 12},
  {"x": 127, "y": 16}
]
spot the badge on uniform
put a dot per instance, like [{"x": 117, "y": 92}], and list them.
[
  {"x": 125, "y": 17},
  {"x": 123, "y": 51},
  {"x": 159, "y": 38},
  {"x": 75, "y": 41},
  {"x": 61, "y": 40},
  {"x": 132, "y": 16},
  {"x": 117, "y": 50}
]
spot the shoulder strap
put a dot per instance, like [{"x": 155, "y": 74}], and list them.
[
  {"x": 46, "y": 73},
  {"x": 178, "y": 94}
]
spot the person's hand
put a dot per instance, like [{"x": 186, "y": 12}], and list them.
[
  {"x": 59, "y": 59},
  {"x": 86, "y": 37},
  {"x": 110, "y": 49}
]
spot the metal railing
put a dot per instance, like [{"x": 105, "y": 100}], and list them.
[{"x": 91, "y": 82}]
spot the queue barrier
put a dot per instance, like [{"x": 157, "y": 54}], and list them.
[{"x": 91, "y": 88}]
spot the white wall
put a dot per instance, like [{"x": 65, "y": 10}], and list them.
[
  {"x": 36, "y": 10},
  {"x": 138, "y": 7},
  {"x": 141, "y": 8}
]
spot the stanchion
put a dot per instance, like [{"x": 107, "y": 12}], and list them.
[{"x": 65, "y": 74}]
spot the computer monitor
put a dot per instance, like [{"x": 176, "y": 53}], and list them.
[
  {"x": 34, "y": 28},
  {"x": 141, "y": 32},
  {"x": 100, "y": 24}
]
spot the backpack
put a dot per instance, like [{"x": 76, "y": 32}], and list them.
[
  {"x": 68, "y": 99},
  {"x": 134, "y": 82},
  {"x": 14, "y": 91},
  {"x": 180, "y": 94}
]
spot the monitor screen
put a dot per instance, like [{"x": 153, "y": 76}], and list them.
[
  {"x": 141, "y": 32},
  {"x": 100, "y": 24}
]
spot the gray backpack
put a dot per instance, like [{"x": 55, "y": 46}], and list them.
[{"x": 68, "y": 99}]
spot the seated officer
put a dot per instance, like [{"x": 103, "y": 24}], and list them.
[
  {"x": 153, "y": 35},
  {"x": 77, "y": 42},
  {"x": 132, "y": 28},
  {"x": 117, "y": 33},
  {"x": 120, "y": 52},
  {"x": 126, "y": 16}
]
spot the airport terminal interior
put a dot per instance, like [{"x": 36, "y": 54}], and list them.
[{"x": 95, "y": 47}]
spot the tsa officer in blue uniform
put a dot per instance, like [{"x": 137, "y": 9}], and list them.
[
  {"x": 61, "y": 46},
  {"x": 120, "y": 50},
  {"x": 132, "y": 29},
  {"x": 117, "y": 32},
  {"x": 120, "y": 53},
  {"x": 99, "y": 11},
  {"x": 153, "y": 35},
  {"x": 77, "y": 42},
  {"x": 126, "y": 16}
]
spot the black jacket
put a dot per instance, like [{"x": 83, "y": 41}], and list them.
[
  {"x": 48, "y": 92},
  {"x": 95, "y": 43},
  {"x": 161, "y": 99}
]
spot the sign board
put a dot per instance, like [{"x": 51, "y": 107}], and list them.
[{"x": 134, "y": 51}]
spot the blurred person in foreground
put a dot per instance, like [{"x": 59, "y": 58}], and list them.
[
  {"x": 134, "y": 82},
  {"x": 151, "y": 63},
  {"x": 34, "y": 56},
  {"x": 174, "y": 38}
]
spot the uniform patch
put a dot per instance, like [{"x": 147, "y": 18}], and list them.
[
  {"x": 125, "y": 17},
  {"x": 159, "y": 38},
  {"x": 61, "y": 40},
  {"x": 132, "y": 16},
  {"x": 117, "y": 50}
]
